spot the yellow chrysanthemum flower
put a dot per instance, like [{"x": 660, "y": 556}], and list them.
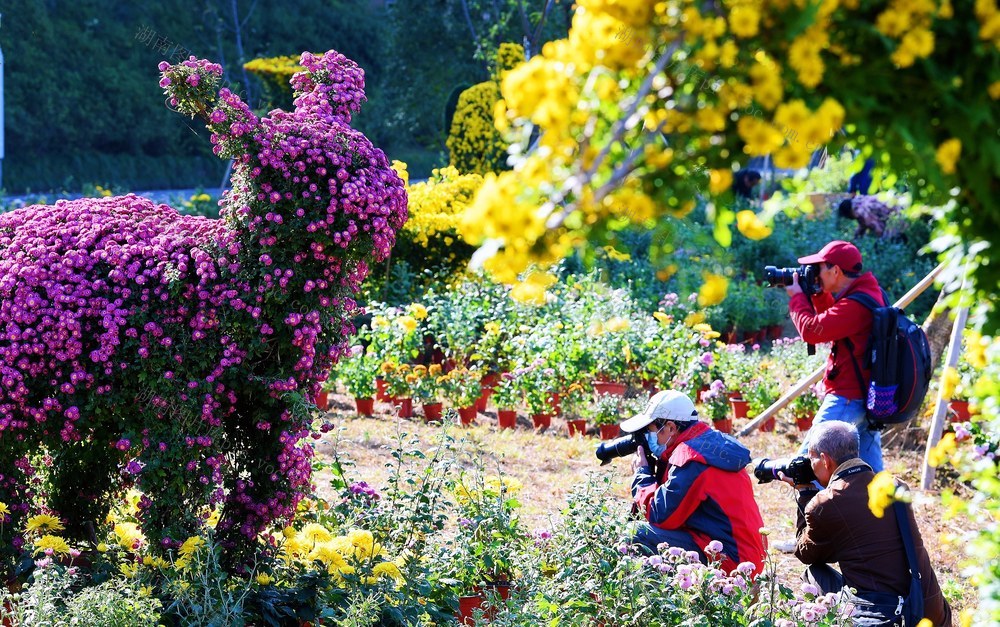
[
  {"x": 191, "y": 546},
  {"x": 532, "y": 290},
  {"x": 401, "y": 170},
  {"x": 664, "y": 319},
  {"x": 496, "y": 486},
  {"x": 264, "y": 579},
  {"x": 295, "y": 548},
  {"x": 3, "y": 509},
  {"x": 694, "y": 318},
  {"x": 43, "y": 522},
  {"x": 315, "y": 533},
  {"x": 760, "y": 137},
  {"x": 920, "y": 42},
  {"x": 950, "y": 382},
  {"x": 881, "y": 493},
  {"x": 720, "y": 181},
  {"x": 713, "y": 290},
  {"x": 617, "y": 323},
  {"x": 744, "y": 20},
  {"x": 417, "y": 310},
  {"x": 388, "y": 569},
  {"x": 55, "y": 543},
  {"x": 408, "y": 323},
  {"x": 751, "y": 226},
  {"x": 947, "y": 155},
  {"x": 364, "y": 543},
  {"x": 942, "y": 450}
]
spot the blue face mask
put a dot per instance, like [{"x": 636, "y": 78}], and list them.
[{"x": 652, "y": 441}]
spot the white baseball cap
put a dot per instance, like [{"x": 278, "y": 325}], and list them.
[{"x": 665, "y": 405}]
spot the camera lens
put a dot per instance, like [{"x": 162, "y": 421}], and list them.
[
  {"x": 778, "y": 277},
  {"x": 625, "y": 445}
]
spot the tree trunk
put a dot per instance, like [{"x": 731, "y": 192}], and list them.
[{"x": 938, "y": 330}]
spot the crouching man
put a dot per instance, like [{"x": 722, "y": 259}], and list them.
[
  {"x": 698, "y": 490},
  {"x": 835, "y": 524}
]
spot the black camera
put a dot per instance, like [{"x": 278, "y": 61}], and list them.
[
  {"x": 780, "y": 277},
  {"x": 798, "y": 469},
  {"x": 620, "y": 447}
]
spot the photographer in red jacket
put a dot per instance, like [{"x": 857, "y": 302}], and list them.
[
  {"x": 831, "y": 317},
  {"x": 699, "y": 490}
]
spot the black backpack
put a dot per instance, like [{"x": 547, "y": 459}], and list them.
[{"x": 899, "y": 358}]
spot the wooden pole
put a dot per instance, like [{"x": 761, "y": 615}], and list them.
[
  {"x": 941, "y": 408},
  {"x": 805, "y": 382}
]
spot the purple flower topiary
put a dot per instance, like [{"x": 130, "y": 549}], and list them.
[{"x": 179, "y": 352}]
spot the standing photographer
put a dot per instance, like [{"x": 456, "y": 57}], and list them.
[
  {"x": 836, "y": 524},
  {"x": 698, "y": 491},
  {"x": 831, "y": 317}
]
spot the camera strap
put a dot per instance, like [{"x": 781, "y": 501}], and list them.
[{"x": 914, "y": 606}]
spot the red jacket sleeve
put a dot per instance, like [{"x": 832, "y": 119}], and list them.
[{"x": 834, "y": 321}]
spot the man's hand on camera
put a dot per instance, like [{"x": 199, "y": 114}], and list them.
[
  {"x": 798, "y": 486},
  {"x": 639, "y": 461},
  {"x": 794, "y": 288}
]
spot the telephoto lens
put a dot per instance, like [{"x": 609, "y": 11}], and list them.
[
  {"x": 620, "y": 447},
  {"x": 777, "y": 277},
  {"x": 798, "y": 469}
]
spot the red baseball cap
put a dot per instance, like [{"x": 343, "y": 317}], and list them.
[{"x": 838, "y": 252}]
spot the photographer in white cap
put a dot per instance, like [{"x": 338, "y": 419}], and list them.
[{"x": 698, "y": 490}]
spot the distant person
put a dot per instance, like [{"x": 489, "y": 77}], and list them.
[
  {"x": 743, "y": 183},
  {"x": 861, "y": 182},
  {"x": 698, "y": 490},
  {"x": 872, "y": 215}
]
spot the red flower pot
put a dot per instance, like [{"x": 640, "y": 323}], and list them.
[
  {"x": 775, "y": 331},
  {"x": 576, "y": 427},
  {"x": 507, "y": 418},
  {"x": 484, "y": 397},
  {"x": 609, "y": 432},
  {"x": 724, "y": 425},
  {"x": 405, "y": 407},
  {"x": 701, "y": 393},
  {"x": 767, "y": 425},
  {"x": 490, "y": 380},
  {"x": 323, "y": 401},
  {"x": 804, "y": 424},
  {"x": 554, "y": 403},
  {"x": 366, "y": 406},
  {"x": 541, "y": 421},
  {"x": 467, "y": 414},
  {"x": 740, "y": 407},
  {"x": 651, "y": 385},
  {"x": 432, "y": 411},
  {"x": 467, "y": 605},
  {"x": 610, "y": 387},
  {"x": 958, "y": 411},
  {"x": 732, "y": 336},
  {"x": 380, "y": 393}
]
